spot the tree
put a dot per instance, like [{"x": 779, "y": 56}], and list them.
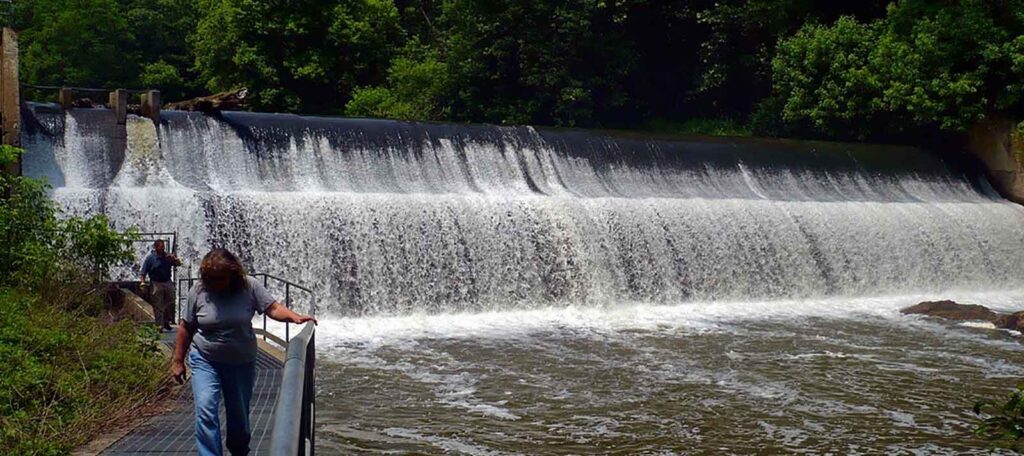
[
  {"x": 307, "y": 57},
  {"x": 164, "y": 57},
  {"x": 107, "y": 43},
  {"x": 561, "y": 63},
  {"x": 80, "y": 42},
  {"x": 738, "y": 43},
  {"x": 926, "y": 67},
  {"x": 417, "y": 88}
]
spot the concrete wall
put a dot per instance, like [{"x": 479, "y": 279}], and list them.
[
  {"x": 10, "y": 96},
  {"x": 999, "y": 144}
]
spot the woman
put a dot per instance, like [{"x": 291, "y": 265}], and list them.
[{"x": 217, "y": 324}]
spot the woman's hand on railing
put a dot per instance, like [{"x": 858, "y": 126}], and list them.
[
  {"x": 299, "y": 319},
  {"x": 282, "y": 313}
]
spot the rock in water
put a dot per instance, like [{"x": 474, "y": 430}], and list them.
[
  {"x": 953, "y": 311},
  {"x": 1013, "y": 321}
]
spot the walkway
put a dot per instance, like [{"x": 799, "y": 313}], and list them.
[{"x": 174, "y": 431}]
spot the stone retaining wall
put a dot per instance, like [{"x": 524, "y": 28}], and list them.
[{"x": 999, "y": 144}]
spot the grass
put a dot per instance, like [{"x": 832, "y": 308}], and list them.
[{"x": 69, "y": 369}]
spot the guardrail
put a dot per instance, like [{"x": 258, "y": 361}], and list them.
[
  {"x": 267, "y": 280},
  {"x": 295, "y": 412}
]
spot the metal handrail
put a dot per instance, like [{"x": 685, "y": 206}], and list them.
[
  {"x": 295, "y": 412},
  {"x": 77, "y": 89},
  {"x": 288, "y": 285}
]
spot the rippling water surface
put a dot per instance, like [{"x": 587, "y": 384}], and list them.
[{"x": 735, "y": 378}]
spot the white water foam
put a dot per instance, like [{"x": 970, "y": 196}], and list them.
[{"x": 595, "y": 320}]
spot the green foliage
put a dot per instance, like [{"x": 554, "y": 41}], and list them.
[
  {"x": 73, "y": 40},
  {"x": 307, "y": 57},
  {"x": 165, "y": 76},
  {"x": 38, "y": 246},
  {"x": 908, "y": 71},
  {"x": 926, "y": 67},
  {"x": 1003, "y": 423},
  {"x": 64, "y": 369},
  {"x": 561, "y": 63},
  {"x": 417, "y": 88},
  {"x": 735, "y": 65},
  {"x": 699, "y": 126},
  {"x": 106, "y": 43},
  {"x": 64, "y": 373}
]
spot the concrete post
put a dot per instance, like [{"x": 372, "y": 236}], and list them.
[
  {"x": 66, "y": 98},
  {"x": 10, "y": 96},
  {"x": 119, "y": 134},
  {"x": 151, "y": 105},
  {"x": 119, "y": 104},
  {"x": 1000, "y": 147}
]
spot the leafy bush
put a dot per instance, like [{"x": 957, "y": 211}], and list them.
[
  {"x": 928, "y": 66},
  {"x": 66, "y": 367},
  {"x": 417, "y": 89},
  {"x": 1003, "y": 424},
  {"x": 39, "y": 247},
  {"x": 65, "y": 373},
  {"x": 301, "y": 58}
]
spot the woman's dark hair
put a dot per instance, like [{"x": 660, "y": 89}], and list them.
[{"x": 222, "y": 263}]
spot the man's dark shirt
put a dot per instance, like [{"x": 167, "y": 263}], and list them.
[{"x": 158, "y": 267}]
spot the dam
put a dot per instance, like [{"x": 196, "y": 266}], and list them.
[{"x": 518, "y": 290}]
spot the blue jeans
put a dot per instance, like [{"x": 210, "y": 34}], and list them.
[{"x": 209, "y": 381}]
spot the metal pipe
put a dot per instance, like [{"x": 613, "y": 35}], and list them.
[
  {"x": 288, "y": 304},
  {"x": 292, "y": 425}
]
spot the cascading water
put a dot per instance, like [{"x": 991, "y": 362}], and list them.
[
  {"x": 391, "y": 217},
  {"x": 494, "y": 290}
]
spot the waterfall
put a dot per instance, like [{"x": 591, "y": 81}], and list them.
[{"x": 387, "y": 217}]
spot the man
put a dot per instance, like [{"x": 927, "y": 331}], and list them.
[{"x": 157, "y": 266}]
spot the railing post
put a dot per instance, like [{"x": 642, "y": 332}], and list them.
[{"x": 288, "y": 304}]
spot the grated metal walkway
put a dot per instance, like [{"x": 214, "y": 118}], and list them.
[{"x": 174, "y": 431}]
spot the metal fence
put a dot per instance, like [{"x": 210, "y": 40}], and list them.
[{"x": 272, "y": 283}]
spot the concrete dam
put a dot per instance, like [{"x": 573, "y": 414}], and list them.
[{"x": 531, "y": 290}]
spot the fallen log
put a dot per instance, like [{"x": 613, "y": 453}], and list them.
[{"x": 224, "y": 101}]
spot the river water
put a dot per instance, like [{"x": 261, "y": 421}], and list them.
[
  {"x": 493, "y": 290},
  {"x": 826, "y": 377}
]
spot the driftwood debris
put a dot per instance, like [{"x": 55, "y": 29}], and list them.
[
  {"x": 224, "y": 101},
  {"x": 84, "y": 103}
]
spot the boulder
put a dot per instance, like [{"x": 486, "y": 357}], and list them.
[
  {"x": 951, "y": 310},
  {"x": 1014, "y": 321}
]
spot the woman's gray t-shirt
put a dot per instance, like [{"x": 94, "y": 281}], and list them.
[{"x": 224, "y": 322}]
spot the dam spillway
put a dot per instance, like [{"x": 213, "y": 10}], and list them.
[
  {"x": 494, "y": 290},
  {"x": 391, "y": 217}
]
